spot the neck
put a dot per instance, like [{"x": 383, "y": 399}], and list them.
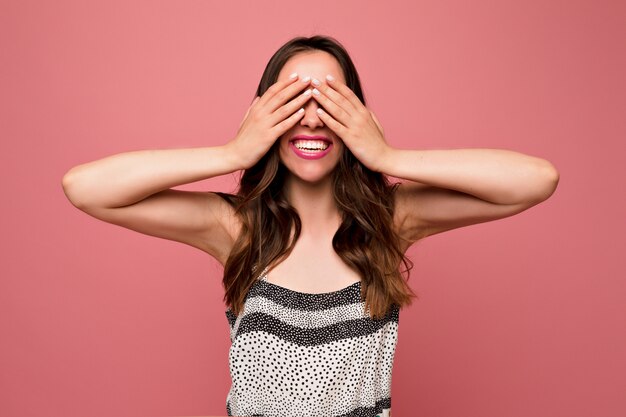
[{"x": 315, "y": 205}]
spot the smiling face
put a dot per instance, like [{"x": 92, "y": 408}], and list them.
[{"x": 307, "y": 159}]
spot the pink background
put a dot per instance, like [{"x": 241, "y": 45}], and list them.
[{"x": 520, "y": 317}]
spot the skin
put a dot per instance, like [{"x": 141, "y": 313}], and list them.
[
  {"x": 347, "y": 119},
  {"x": 457, "y": 200},
  {"x": 315, "y": 65},
  {"x": 441, "y": 189},
  {"x": 313, "y": 265}
]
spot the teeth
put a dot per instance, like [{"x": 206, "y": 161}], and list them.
[{"x": 311, "y": 144}]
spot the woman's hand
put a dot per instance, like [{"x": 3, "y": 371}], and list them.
[
  {"x": 267, "y": 118},
  {"x": 354, "y": 123}
]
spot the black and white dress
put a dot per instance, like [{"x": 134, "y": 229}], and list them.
[{"x": 302, "y": 354}]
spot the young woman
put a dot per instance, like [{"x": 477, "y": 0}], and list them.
[{"x": 313, "y": 242}]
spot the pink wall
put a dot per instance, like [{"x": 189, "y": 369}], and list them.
[{"x": 519, "y": 317}]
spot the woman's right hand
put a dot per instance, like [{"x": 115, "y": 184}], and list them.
[{"x": 268, "y": 117}]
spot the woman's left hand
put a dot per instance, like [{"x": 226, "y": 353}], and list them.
[{"x": 354, "y": 123}]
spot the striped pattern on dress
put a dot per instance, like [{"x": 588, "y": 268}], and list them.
[{"x": 304, "y": 354}]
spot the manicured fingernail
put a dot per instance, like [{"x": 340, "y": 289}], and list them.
[
  {"x": 316, "y": 91},
  {"x": 306, "y": 79},
  {"x": 319, "y": 111},
  {"x": 301, "y": 110},
  {"x": 293, "y": 76},
  {"x": 307, "y": 92},
  {"x": 316, "y": 82},
  {"x": 330, "y": 77}
]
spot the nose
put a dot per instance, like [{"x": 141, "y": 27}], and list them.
[{"x": 311, "y": 118}]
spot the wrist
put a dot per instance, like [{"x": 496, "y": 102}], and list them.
[
  {"x": 386, "y": 160},
  {"x": 233, "y": 156}
]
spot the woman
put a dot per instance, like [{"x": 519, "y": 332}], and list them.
[{"x": 313, "y": 242}]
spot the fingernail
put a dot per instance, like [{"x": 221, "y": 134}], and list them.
[
  {"x": 293, "y": 76},
  {"x": 330, "y": 77},
  {"x": 306, "y": 79},
  {"x": 316, "y": 91},
  {"x": 319, "y": 111},
  {"x": 307, "y": 92},
  {"x": 301, "y": 110},
  {"x": 316, "y": 82}
]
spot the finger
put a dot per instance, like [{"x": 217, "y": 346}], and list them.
[
  {"x": 337, "y": 112},
  {"x": 245, "y": 116},
  {"x": 288, "y": 123},
  {"x": 287, "y": 93},
  {"x": 288, "y": 108},
  {"x": 336, "y": 96},
  {"x": 380, "y": 127},
  {"x": 345, "y": 91},
  {"x": 256, "y": 99},
  {"x": 334, "y": 125},
  {"x": 278, "y": 86}
]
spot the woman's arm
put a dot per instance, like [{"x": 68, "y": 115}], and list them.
[
  {"x": 445, "y": 188},
  {"x": 123, "y": 179},
  {"x": 458, "y": 187},
  {"x": 132, "y": 189}
]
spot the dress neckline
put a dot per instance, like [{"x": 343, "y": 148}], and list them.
[{"x": 263, "y": 278}]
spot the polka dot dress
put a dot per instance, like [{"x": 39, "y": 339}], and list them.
[{"x": 297, "y": 354}]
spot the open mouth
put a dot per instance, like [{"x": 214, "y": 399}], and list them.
[{"x": 310, "y": 147}]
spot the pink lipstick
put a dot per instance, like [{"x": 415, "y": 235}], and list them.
[{"x": 310, "y": 147}]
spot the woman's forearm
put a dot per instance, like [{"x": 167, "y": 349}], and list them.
[
  {"x": 497, "y": 175},
  {"x": 126, "y": 178}
]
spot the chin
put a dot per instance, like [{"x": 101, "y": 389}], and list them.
[
  {"x": 310, "y": 171},
  {"x": 311, "y": 176}
]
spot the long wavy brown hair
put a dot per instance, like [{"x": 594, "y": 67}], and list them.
[{"x": 365, "y": 239}]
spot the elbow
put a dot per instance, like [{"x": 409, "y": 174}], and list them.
[
  {"x": 548, "y": 181},
  {"x": 70, "y": 186}
]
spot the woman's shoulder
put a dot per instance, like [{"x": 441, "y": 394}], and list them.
[
  {"x": 231, "y": 199},
  {"x": 226, "y": 209}
]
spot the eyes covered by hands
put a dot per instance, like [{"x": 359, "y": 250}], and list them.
[{"x": 281, "y": 107}]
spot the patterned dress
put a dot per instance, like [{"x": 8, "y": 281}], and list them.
[{"x": 297, "y": 354}]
